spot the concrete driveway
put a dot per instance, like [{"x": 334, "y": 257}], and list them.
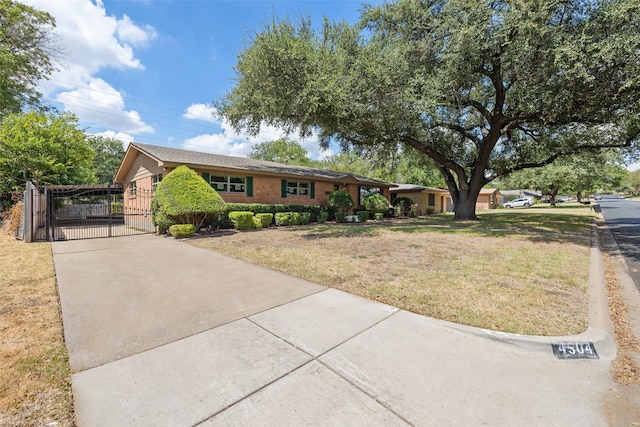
[{"x": 162, "y": 333}]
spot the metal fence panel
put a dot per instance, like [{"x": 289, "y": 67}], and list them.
[{"x": 87, "y": 212}]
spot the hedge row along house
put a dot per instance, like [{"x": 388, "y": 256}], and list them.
[{"x": 239, "y": 179}]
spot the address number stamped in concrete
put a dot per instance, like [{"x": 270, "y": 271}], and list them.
[{"x": 575, "y": 350}]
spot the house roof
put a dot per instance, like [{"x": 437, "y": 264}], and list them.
[
  {"x": 488, "y": 190},
  {"x": 173, "y": 157},
  {"x": 405, "y": 188}
]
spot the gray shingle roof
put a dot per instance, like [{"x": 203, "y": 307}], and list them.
[{"x": 187, "y": 157}]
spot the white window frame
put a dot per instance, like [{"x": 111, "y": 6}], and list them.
[
  {"x": 133, "y": 188},
  {"x": 231, "y": 184},
  {"x": 298, "y": 188},
  {"x": 155, "y": 180}
]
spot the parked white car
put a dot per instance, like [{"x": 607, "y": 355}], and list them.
[{"x": 516, "y": 203}]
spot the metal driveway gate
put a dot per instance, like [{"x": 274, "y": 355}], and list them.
[{"x": 71, "y": 212}]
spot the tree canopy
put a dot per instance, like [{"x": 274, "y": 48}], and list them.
[
  {"x": 281, "y": 150},
  {"x": 585, "y": 172},
  {"x": 108, "y": 153},
  {"x": 482, "y": 88},
  {"x": 44, "y": 148},
  {"x": 27, "y": 46}
]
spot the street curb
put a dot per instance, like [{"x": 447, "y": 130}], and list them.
[{"x": 600, "y": 331}]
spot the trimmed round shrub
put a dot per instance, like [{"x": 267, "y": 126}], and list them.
[
  {"x": 322, "y": 217},
  {"x": 376, "y": 203},
  {"x": 295, "y": 218},
  {"x": 284, "y": 218},
  {"x": 186, "y": 198},
  {"x": 363, "y": 216},
  {"x": 257, "y": 224},
  {"x": 242, "y": 220},
  {"x": 378, "y": 216},
  {"x": 341, "y": 200},
  {"x": 265, "y": 219},
  {"x": 305, "y": 218},
  {"x": 404, "y": 204},
  {"x": 341, "y": 216},
  {"x": 182, "y": 230}
]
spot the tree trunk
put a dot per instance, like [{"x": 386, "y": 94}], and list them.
[
  {"x": 554, "y": 193},
  {"x": 465, "y": 206}
]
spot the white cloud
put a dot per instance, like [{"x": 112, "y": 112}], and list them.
[
  {"x": 91, "y": 41},
  {"x": 229, "y": 142},
  {"x": 125, "y": 138},
  {"x": 129, "y": 32},
  {"x": 201, "y": 112},
  {"x": 218, "y": 144},
  {"x": 101, "y": 104}
]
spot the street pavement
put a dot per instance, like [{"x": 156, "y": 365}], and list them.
[
  {"x": 161, "y": 333},
  {"x": 623, "y": 220}
]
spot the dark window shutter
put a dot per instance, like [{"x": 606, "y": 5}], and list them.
[
  {"x": 207, "y": 177},
  {"x": 284, "y": 189},
  {"x": 312, "y": 190},
  {"x": 249, "y": 186}
]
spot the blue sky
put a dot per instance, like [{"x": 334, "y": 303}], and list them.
[{"x": 148, "y": 71}]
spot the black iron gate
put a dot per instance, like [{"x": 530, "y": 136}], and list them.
[{"x": 86, "y": 212}]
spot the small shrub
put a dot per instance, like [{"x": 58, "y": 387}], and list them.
[
  {"x": 404, "y": 204},
  {"x": 341, "y": 216},
  {"x": 242, "y": 220},
  {"x": 378, "y": 216},
  {"x": 182, "y": 230},
  {"x": 363, "y": 216},
  {"x": 376, "y": 203},
  {"x": 305, "y": 218},
  {"x": 265, "y": 219},
  {"x": 257, "y": 224},
  {"x": 295, "y": 218},
  {"x": 322, "y": 217},
  {"x": 340, "y": 200},
  {"x": 283, "y": 218}
]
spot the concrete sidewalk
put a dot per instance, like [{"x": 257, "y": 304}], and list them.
[{"x": 162, "y": 333}]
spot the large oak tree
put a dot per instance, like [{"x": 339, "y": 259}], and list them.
[{"x": 482, "y": 88}]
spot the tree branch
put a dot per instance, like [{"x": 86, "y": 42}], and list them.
[{"x": 461, "y": 130}]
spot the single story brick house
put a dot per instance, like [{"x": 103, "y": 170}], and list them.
[
  {"x": 438, "y": 200},
  {"x": 239, "y": 179}
]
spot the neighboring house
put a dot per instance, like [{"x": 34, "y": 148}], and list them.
[
  {"x": 239, "y": 179},
  {"x": 437, "y": 200},
  {"x": 427, "y": 199},
  {"x": 489, "y": 198}
]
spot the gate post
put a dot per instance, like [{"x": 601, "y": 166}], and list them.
[
  {"x": 27, "y": 227},
  {"x": 109, "y": 209},
  {"x": 49, "y": 223}
]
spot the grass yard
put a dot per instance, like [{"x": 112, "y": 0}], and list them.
[
  {"x": 35, "y": 378},
  {"x": 519, "y": 270}
]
